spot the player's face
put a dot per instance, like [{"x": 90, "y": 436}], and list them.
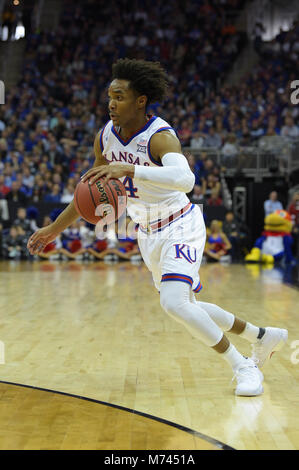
[{"x": 123, "y": 103}]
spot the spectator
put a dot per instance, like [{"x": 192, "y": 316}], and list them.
[
  {"x": 215, "y": 200},
  {"x": 230, "y": 149},
  {"x": 22, "y": 221},
  {"x": 197, "y": 196},
  {"x": 4, "y": 190},
  {"x": 71, "y": 240},
  {"x": 232, "y": 230},
  {"x": 28, "y": 178},
  {"x": 12, "y": 244},
  {"x": 54, "y": 195},
  {"x": 290, "y": 130},
  {"x": 194, "y": 168},
  {"x": 197, "y": 141},
  {"x": 213, "y": 139},
  {"x": 293, "y": 209},
  {"x": 16, "y": 195},
  {"x": 184, "y": 133},
  {"x": 213, "y": 186},
  {"x": 217, "y": 245},
  {"x": 68, "y": 194},
  {"x": 256, "y": 130},
  {"x": 272, "y": 204}
]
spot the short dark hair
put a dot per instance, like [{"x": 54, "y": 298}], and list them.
[{"x": 145, "y": 77}]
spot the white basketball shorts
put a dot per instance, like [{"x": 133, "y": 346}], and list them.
[{"x": 173, "y": 250}]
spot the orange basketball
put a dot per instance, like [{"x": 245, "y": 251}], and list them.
[{"x": 95, "y": 202}]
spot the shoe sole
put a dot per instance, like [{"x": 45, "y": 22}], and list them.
[{"x": 258, "y": 392}]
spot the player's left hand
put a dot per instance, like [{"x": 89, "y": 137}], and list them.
[{"x": 109, "y": 171}]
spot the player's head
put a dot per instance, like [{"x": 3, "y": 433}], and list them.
[{"x": 135, "y": 84}]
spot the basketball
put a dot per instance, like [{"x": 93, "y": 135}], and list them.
[{"x": 95, "y": 202}]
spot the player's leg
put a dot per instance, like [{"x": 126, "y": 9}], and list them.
[
  {"x": 175, "y": 300},
  {"x": 265, "y": 341}
]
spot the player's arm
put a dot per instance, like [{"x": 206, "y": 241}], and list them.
[
  {"x": 175, "y": 173},
  {"x": 45, "y": 235}
]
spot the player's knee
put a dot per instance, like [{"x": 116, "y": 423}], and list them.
[
  {"x": 166, "y": 303},
  {"x": 173, "y": 305}
]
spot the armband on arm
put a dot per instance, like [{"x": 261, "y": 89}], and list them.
[{"x": 175, "y": 174}]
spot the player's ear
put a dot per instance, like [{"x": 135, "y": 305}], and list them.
[{"x": 141, "y": 101}]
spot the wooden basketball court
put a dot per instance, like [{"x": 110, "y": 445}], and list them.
[{"x": 90, "y": 361}]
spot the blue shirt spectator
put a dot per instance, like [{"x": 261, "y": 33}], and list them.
[{"x": 272, "y": 204}]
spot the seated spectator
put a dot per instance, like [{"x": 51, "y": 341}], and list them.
[
  {"x": 231, "y": 228},
  {"x": 68, "y": 194},
  {"x": 197, "y": 141},
  {"x": 293, "y": 209},
  {"x": 257, "y": 130},
  {"x": 213, "y": 139},
  {"x": 217, "y": 245},
  {"x": 71, "y": 240},
  {"x": 194, "y": 168},
  {"x": 87, "y": 238},
  {"x": 54, "y": 195},
  {"x": 128, "y": 244},
  {"x": 4, "y": 212},
  {"x": 215, "y": 200},
  {"x": 213, "y": 185},
  {"x": 4, "y": 190},
  {"x": 272, "y": 204},
  {"x": 28, "y": 178},
  {"x": 37, "y": 195},
  {"x": 12, "y": 244},
  {"x": 184, "y": 133},
  {"x": 208, "y": 167},
  {"x": 198, "y": 195},
  {"x": 22, "y": 221},
  {"x": 290, "y": 130},
  {"x": 16, "y": 195},
  {"x": 230, "y": 149}
]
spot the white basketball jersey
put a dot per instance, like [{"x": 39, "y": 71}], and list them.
[{"x": 147, "y": 201}]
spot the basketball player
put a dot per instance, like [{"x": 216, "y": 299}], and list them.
[{"x": 146, "y": 155}]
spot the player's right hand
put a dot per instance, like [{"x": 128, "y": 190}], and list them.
[{"x": 40, "y": 239}]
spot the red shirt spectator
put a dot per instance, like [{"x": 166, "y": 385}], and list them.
[
  {"x": 215, "y": 199},
  {"x": 3, "y": 189},
  {"x": 293, "y": 208}
]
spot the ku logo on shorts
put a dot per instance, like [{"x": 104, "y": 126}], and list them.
[{"x": 185, "y": 251}]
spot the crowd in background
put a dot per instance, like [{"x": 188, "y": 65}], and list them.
[{"x": 50, "y": 118}]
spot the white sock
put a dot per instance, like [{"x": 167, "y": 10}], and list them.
[
  {"x": 233, "y": 357},
  {"x": 250, "y": 333}
]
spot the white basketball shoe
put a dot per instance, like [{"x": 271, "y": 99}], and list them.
[
  {"x": 249, "y": 379},
  {"x": 273, "y": 340}
]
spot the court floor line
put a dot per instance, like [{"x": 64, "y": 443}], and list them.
[{"x": 194, "y": 433}]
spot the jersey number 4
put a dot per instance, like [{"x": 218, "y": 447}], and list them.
[{"x": 129, "y": 186}]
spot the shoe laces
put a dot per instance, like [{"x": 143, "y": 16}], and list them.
[{"x": 245, "y": 371}]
